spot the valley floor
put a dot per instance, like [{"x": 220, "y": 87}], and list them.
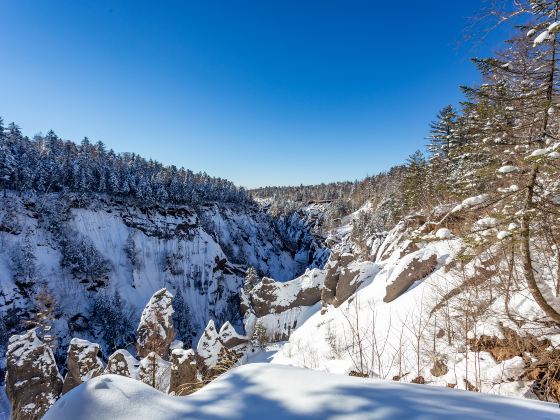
[{"x": 257, "y": 391}]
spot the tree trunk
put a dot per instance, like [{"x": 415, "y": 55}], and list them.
[{"x": 526, "y": 252}]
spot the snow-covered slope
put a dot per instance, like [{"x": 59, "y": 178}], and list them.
[{"x": 260, "y": 391}]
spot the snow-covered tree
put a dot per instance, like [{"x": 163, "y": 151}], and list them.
[
  {"x": 251, "y": 279},
  {"x": 182, "y": 319}
]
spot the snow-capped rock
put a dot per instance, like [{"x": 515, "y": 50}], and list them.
[
  {"x": 155, "y": 332},
  {"x": 83, "y": 363},
  {"x": 209, "y": 346},
  {"x": 33, "y": 382},
  {"x": 121, "y": 362},
  {"x": 183, "y": 370}
]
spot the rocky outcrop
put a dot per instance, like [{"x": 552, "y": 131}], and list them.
[
  {"x": 155, "y": 332},
  {"x": 270, "y": 296},
  {"x": 209, "y": 346},
  {"x": 122, "y": 363},
  {"x": 230, "y": 338},
  {"x": 183, "y": 371},
  {"x": 340, "y": 280},
  {"x": 412, "y": 268},
  {"x": 33, "y": 382},
  {"x": 83, "y": 363}
]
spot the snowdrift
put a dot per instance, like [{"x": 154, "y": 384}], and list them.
[{"x": 258, "y": 391}]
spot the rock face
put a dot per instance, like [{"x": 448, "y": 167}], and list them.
[
  {"x": 183, "y": 370},
  {"x": 122, "y": 363},
  {"x": 33, "y": 382},
  {"x": 155, "y": 332},
  {"x": 270, "y": 297},
  {"x": 83, "y": 363},
  {"x": 340, "y": 280},
  {"x": 413, "y": 267}
]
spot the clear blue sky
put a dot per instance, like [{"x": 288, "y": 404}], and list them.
[{"x": 259, "y": 92}]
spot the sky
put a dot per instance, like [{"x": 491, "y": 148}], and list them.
[{"x": 259, "y": 92}]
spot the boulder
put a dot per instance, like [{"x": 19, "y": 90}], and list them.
[
  {"x": 122, "y": 363},
  {"x": 33, "y": 382},
  {"x": 183, "y": 371},
  {"x": 412, "y": 268},
  {"x": 83, "y": 363},
  {"x": 155, "y": 332}
]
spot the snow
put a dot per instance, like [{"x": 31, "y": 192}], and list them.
[
  {"x": 539, "y": 152},
  {"x": 503, "y": 234},
  {"x": 510, "y": 189},
  {"x": 4, "y": 404},
  {"x": 513, "y": 226},
  {"x": 258, "y": 391},
  {"x": 487, "y": 222},
  {"x": 508, "y": 169},
  {"x": 554, "y": 27},
  {"x": 542, "y": 37},
  {"x": 443, "y": 233},
  {"x": 470, "y": 202}
]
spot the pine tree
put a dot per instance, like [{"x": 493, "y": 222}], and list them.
[
  {"x": 511, "y": 131},
  {"x": 23, "y": 265},
  {"x": 182, "y": 319},
  {"x": 251, "y": 280},
  {"x": 259, "y": 339},
  {"x": 415, "y": 181},
  {"x": 443, "y": 135}
]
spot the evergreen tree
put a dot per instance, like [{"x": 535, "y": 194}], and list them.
[
  {"x": 23, "y": 265},
  {"x": 251, "y": 280},
  {"x": 415, "y": 181},
  {"x": 182, "y": 319}
]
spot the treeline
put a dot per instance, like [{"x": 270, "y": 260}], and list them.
[
  {"x": 345, "y": 196},
  {"x": 50, "y": 164}
]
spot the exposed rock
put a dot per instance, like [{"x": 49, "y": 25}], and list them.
[
  {"x": 413, "y": 268},
  {"x": 358, "y": 374},
  {"x": 510, "y": 346},
  {"x": 270, "y": 296},
  {"x": 155, "y": 332},
  {"x": 155, "y": 371},
  {"x": 340, "y": 281},
  {"x": 209, "y": 346},
  {"x": 183, "y": 371},
  {"x": 83, "y": 363},
  {"x": 122, "y": 363},
  {"x": 419, "y": 380},
  {"x": 230, "y": 338},
  {"x": 33, "y": 382},
  {"x": 439, "y": 369}
]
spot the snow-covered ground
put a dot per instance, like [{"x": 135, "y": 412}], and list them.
[
  {"x": 4, "y": 405},
  {"x": 259, "y": 391}
]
